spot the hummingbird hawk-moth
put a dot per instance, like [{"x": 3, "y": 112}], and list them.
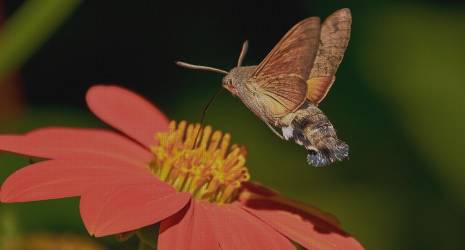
[{"x": 284, "y": 90}]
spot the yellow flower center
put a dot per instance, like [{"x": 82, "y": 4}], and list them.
[{"x": 211, "y": 169}]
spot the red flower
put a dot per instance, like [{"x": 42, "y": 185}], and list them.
[{"x": 201, "y": 196}]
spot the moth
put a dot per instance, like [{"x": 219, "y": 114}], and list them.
[{"x": 284, "y": 90}]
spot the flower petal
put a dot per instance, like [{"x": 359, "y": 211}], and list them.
[
  {"x": 255, "y": 190},
  {"x": 63, "y": 143},
  {"x": 259, "y": 189},
  {"x": 234, "y": 228},
  {"x": 309, "y": 230},
  {"x": 65, "y": 178},
  {"x": 127, "y": 111},
  {"x": 188, "y": 229},
  {"x": 111, "y": 209}
]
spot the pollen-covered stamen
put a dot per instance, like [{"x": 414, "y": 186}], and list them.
[{"x": 212, "y": 170}]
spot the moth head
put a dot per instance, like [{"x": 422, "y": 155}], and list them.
[{"x": 230, "y": 81}]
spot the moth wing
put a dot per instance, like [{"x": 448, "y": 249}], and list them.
[
  {"x": 334, "y": 38},
  {"x": 281, "y": 76},
  {"x": 280, "y": 94},
  {"x": 295, "y": 52}
]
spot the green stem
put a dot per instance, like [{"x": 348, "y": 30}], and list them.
[
  {"x": 148, "y": 237},
  {"x": 145, "y": 246}
]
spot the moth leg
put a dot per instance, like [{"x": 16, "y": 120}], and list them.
[
  {"x": 262, "y": 116},
  {"x": 274, "y": 130}
]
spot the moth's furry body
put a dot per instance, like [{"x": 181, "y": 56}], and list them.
[{"x": 307, "y": 126}]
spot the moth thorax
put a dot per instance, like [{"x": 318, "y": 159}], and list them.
[{"x": 239, "y": 75}]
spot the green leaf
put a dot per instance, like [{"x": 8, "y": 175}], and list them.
[{"x": 29, "y": 28}]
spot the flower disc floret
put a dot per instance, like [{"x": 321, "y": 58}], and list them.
[{"x": 199, "y": 161}]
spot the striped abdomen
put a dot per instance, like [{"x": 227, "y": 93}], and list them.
[{"x": 308, "y": 126}]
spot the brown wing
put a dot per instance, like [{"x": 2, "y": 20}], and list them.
[
  {"x": 295, "y": 52},
  {"x": 334, "y": 38},
  {"x": 281, "y": 94},
  {"x": 281, "y": 75}
]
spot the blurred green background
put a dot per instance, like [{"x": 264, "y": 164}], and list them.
[{"x": 399, "y": 101}]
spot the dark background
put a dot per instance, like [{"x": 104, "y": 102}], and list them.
[{"x": 399, "y": 101}]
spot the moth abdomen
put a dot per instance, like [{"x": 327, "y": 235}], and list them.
[
  {"x": 331, "y": 149},
  {"x": 309, "y": 127}
]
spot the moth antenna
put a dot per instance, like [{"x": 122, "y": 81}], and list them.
[
  {"x": 245, "y": 47},
  {"x": 204, "y": 112},
  {"x": 200, "y": 67}
]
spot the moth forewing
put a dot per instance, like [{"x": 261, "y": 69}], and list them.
[
  {"x": 279, "y": 80},
  {"x": 295, "y": 52}
]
